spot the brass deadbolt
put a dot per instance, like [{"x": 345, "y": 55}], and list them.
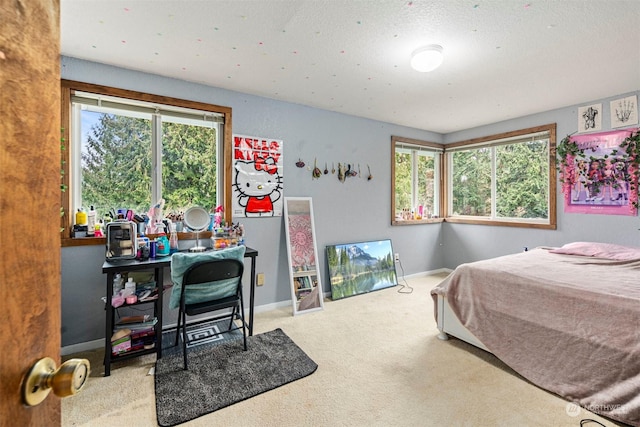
[{"x": 65, "y": 381}]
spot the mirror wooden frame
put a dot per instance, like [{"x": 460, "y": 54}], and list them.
[{"x": 304, "y": 271}]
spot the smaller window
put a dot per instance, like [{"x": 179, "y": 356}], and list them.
[{"x": 416, "y": 170}]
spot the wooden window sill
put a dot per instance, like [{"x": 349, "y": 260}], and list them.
[{"x": 95, "y": 241}]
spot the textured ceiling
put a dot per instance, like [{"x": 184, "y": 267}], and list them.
[{"x": 503, "y": 59}]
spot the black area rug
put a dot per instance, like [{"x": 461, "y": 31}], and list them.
[
  {"x": 206, "y": 333},
  {"x": 224, "y": 374}
]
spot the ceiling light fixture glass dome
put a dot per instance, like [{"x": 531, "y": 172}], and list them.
[{"x": 427, "y": 58}]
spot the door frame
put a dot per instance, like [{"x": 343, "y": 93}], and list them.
[{"x": 29, "y": 202}]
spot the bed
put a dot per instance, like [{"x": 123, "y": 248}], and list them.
[{"x": 567, "y": 319}]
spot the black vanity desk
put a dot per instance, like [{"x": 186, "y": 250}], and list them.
[{"x": 157, "y": 265}]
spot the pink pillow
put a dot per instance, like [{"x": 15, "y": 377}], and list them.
[{"x": 599, "y": 250}]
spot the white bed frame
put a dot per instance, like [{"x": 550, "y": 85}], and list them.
[{"x": 448, "y": 324}]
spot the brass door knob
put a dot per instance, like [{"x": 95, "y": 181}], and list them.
[{"x": 65, "y": 381}]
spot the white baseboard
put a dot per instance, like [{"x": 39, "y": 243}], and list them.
[
  {"x": 95, "y": 344},
  {"x": 83, "y": 346},
  {"x": 429, "y": 273},
  {"x": 272, "y": 306}
]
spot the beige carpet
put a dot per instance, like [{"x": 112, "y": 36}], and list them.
[{"x": 379, "y": 364}]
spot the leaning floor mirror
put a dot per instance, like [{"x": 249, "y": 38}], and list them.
[{"x": 306, "y": 287}]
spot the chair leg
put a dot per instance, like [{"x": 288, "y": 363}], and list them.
[
  {"x": 184, "y": 340},
  {"x": 233, "y": 315},
  {"x": 244, "y": 324},
  {"x": 178, "y": 327}
]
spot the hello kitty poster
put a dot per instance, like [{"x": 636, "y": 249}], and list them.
[{"x": 257, "y": 177}]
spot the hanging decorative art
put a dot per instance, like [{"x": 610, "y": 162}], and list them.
[
  {"x": 599, "y": 172},
  {"x": 344, "y": 170},
  {"x": 624, "y": 112},
  {"x": 258, "y": 176},
  {"x": 590, "y": 118}
]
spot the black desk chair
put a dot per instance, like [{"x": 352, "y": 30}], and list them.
[{"x": 222, "y": 273}]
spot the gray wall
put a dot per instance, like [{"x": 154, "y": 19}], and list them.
[
  {"x": 466, "y": 243},
  {"x": 353, "y": 211},
  {"x": 357, "y": 210}
]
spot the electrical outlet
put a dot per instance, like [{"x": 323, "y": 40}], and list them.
[
  {"x": 397, "y": 257},
  {"x": 260, "y": 279}
]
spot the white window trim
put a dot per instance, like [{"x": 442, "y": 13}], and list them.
[
  {"x": 412, "y": 146},
  {"x": 108, "y": 105}
]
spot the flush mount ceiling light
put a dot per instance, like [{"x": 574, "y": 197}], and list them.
[{"x": 427, "y": 58}]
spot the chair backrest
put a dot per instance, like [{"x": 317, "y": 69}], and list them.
[{"x": 215, "y": 272}]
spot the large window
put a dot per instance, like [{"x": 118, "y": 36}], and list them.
[
  {"x": 416, "y": 171},
  {"x": 506, "y": 179},
  {"x": 130, "y": 150}
]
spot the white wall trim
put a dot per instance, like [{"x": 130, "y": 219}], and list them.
[
  {"x": 83, "y": 346},
  {"x": 428, "y": 273},
  {"x": 95, "y": 344}
]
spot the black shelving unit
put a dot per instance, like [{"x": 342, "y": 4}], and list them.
[
  {"x": 110, "y": 268},
  {"x": 127, "y": 266}
]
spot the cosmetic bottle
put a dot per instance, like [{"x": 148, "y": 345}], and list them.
[
  {"x": 129, "y": 287},
  {"x": 81, "y": 217},
  {"x": 173, "y": 238},
  {"x": 91, "y": 222},
  {"x": 118, "y": 284}
]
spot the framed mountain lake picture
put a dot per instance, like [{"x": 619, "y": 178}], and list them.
[{"x": 357, "y": 268}]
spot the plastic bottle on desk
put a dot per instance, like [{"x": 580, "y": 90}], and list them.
[
  {"x": 129, "y": 288},
  {"x": 118, "y": 284},
  {"x": 173, "y": 238},
  {"x": 162, "y": 244}
]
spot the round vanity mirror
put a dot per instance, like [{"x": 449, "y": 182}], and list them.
[{"x": 197, "y": 219}]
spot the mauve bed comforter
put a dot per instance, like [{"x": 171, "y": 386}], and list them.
[{"x": 569, "y": 324}]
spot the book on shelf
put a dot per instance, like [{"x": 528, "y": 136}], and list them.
[
  {"x": 134, "y": 319},
  {"x": 133, "y": 342},
  {"x": 136, "y": 322},
  {"x": 121, "y": 345}
]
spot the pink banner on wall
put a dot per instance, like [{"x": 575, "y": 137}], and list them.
[{"x": 599, "y": 179}]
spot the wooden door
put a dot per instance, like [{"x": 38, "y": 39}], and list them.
[{"x": 29, "y": 202}]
